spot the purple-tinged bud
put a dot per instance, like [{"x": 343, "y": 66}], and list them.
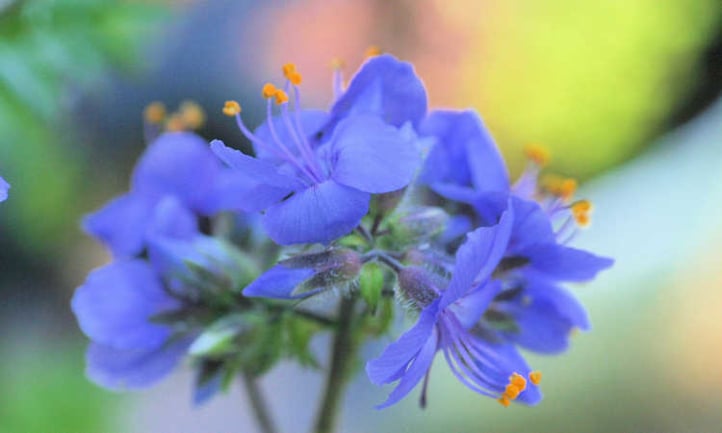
[{"x": 418, "y": 286}]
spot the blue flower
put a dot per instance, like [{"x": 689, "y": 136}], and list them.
[
  {"x": 117, "y": 304},
  {"x": 114, "y": 308},
  {"x": 315, "y": 172},
  {"x": 465, "y": 165},
  {"x": 4, "y": 187},
  {"x": 447, "y": 323},
  {"x": 177, "y": 165}
]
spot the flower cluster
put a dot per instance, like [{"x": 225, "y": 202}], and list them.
[{"x": 232, "y": 258}]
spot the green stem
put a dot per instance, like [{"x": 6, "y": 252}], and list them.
[
  {"x": 260, "y": 409},
  {"x": 342, "y": 356}
]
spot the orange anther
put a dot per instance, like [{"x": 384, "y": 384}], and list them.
[
  {"x": 192, "y": 114},
  {"x": 538, "y": 154},
  {"x": 373, "y": 51},
  {"x": 518, "y": 380},
  {"x": 504, "y": 401},
  {"x": 535, "y": 377},
  {"x": 154, "y": 113},
  {"x": 280, "y": 96},
  {"x": 268, "y": 90},
  {"x": 231, "y": 108}
]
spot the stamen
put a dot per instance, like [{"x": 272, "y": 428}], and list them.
[
  {"x": 337, "y": 63},
  {"x": 518, "y": 380},
  {"x": 268, "y": 90},
  {"x": 561, "y": 187},
  {"x": 372, "y": 51},
  {"x": 291, "y": 74},
  {"x": 192, "y": 114},
  {"x": 280, "y": 96},
  {"x": 154, "y": 113},
  {"x": 580, "y": 211},
  {"x": 231, "y": 108},
  {"x": 517, "y": 385},
  {"x": 175, "y": 123},
  {"x": 535, "y": 377},
  {"x": 504, "y": 401},
  {"x": 538, "y": 154}
]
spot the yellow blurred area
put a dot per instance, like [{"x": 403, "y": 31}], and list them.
[{"x": 591, "y": 80}]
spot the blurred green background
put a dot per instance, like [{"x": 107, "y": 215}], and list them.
[{"x": 625, "y": 94}]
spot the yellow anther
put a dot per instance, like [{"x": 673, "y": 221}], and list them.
[
  {"x": 512, "y": 391},
  {"x": 280, "y": 96},
  {"x": 538, "y": 154},
  {"x": 292, "y": 74},
  {"x": 580, "y": 211},
  {"x": 288, "y": 68},
  {"x": 175, "y": 123},
  {"x": 231, "y": 108},
  {"x": 504, "y": 401},
  {"x": 154, "y": 113},
  {"x": 535, "y": 377},
  {"x": 269, "y": 90},
  {"x": 581, "y": 206},
  {"x": 192, "y": 114},
  {"x": 372, "y": 51},
  {"x": 337, "y": 63},
  {"x": 518, "y": 380},
  {"x": 567, "y": 188}
]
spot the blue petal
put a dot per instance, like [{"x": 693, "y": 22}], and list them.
[
  {"x": 180, "y": 164},
  {"x": 263, "y": 172},
  {"x": 464, "y": 154},
  {"x": 477, "y": 258},
  {"x": 546, "y": 318},
  {"x": 469, "y": 309},
  {"x": 237, "y": 192},
  {"x": 320, "y": 213},
  {"x": 114, "y": 305},
  {"x": 397, "y": 355},
  {"x": 171, "y": 218},
  {"x": 565, "y": 263},
  {"x": 531, "y": 226},
  {"x": 418, "y": 368},
  {"x": 121, "y": 224},
  {"x": 120, "y": 369},
  {"x": 384, "y": 87},
  {"x": 4, "y": 187},
  {"x": 372, "y": 156},
  {"x": 311, "y": 121},
  {"x": 279, "y": 282}
]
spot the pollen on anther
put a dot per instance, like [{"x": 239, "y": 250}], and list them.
[
  {"x": 268, "y": 90},
  {"x": 292, "y": 74},
  {"x": 154, "y": 113},
  {"x": 192, "y": 114},
  {"x": 504, "y": 401},
  {"x": 538, "y": 154},
  {"x": 231, "y": 108},
  {"x": 280, "y": 96},
  {"x": 518, "y": 380},
  {"x": 175, "y": 123},
  {"x": 337, "y": 63},
  {"x": 372, "y": 51},
  {"x": 535, "y": 377}
]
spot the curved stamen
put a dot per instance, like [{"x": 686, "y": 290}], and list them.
[
  {"x": 337, "y": 65},
  {"x": 289, "y": 156}
]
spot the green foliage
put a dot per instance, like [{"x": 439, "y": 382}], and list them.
[
  {"x": 49, "y": 51},
  {"x": 43, "y": 390}
]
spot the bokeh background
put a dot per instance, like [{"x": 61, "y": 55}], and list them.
[{"x": 625, "y": 94}]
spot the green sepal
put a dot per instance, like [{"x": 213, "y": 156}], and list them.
[{"x": 371, "y": 284}]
